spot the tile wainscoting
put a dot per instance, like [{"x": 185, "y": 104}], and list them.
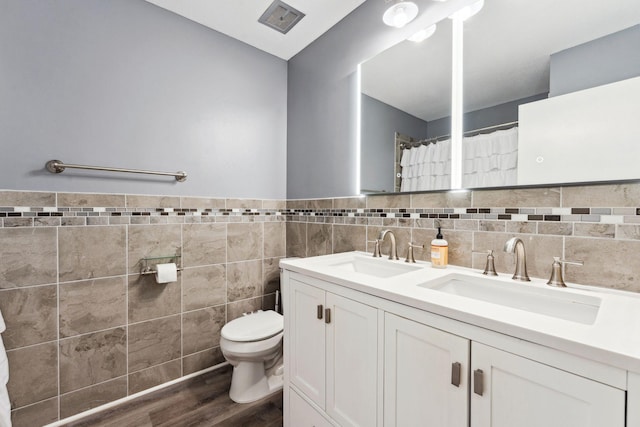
[
  {"x": 599, "y": 224},
  {"x": 84, "y": 328}
]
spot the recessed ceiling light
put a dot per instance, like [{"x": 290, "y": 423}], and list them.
[{"x": 400, "y": 14}]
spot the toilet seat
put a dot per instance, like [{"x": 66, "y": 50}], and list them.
[
  {"x": 251, "y": 350},
  {"x": 253, "y": 327}
]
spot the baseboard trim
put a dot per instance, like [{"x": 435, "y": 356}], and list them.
[{"x": 133, "y": 396}]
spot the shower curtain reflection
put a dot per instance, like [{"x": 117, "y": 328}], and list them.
[
  {"x": 489, "y": 160},
  {"x": 426, "y": 167}
]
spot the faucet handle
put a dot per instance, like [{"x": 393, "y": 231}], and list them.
[
  {"x": 376, "y": 248},
  {"x": 556, "y": 279},
  {"x": 489, "y": 267},
  {"x": 410, "y": 257}
]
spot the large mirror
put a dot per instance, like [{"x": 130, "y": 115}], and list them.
[{"x": 515, "y": 53}]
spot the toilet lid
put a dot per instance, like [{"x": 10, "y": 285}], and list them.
[{"x": 253, "y": 327}]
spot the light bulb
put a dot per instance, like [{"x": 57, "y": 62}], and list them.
[
  {"x": 400, "y": 17},
  {"x": 400, "y": 14}
]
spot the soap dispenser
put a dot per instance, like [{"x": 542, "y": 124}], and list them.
[{"x": 439, "y": 251}]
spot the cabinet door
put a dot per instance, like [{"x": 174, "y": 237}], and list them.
[
  {"x": 520, "y": 392},
  {"x": 421, "y": 370},
  {"x": 303, "y": 415},
  {"x": 307, "y": 336},
  {"x": 352, "y": 345}
]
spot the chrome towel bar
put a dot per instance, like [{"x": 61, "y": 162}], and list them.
[{"x": 56, "y": 166}]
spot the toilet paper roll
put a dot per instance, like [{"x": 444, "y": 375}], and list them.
[{"x": 166, "y": 273}]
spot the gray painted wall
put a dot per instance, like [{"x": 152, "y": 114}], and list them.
[
  {"x": 380, "y": 122},
  {"x": 127, "y": 84},
  {"x": 322, "y": 151},
  {"x": 490, "y": 116},
  {"x": 605, "y": 60}
]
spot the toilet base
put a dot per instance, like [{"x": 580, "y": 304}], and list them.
[{"x": 250, "y": 382}]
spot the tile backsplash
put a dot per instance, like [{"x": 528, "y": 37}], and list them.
[
  {"x": 85, "y": 328},
  {"x": 599, "y": 224}
]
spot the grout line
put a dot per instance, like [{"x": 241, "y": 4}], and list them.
[
  {"x": 58, "y": 314},
  {"x": 126, "y": 299},
  {"x": 182, "y": 297}
]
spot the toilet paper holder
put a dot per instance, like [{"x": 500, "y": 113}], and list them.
[{"x": 147, "y": 262}]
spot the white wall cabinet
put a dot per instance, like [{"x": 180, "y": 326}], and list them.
[
  {"x": 424, "y": 375},
  {"x": 334, "y": 353}
]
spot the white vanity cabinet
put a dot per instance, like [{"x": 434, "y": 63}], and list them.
[
  {"x": 427, "y": 382},
  {"x": 333, "y": 345},
  {"x": 510, "y": 390},
  {"x": 426, "y": 375},
  {"x": 375, "y": 361}
]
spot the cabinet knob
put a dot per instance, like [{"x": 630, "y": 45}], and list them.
[
  {"x": 320, "y": 311},
  {"x": 478, "y": 382}
]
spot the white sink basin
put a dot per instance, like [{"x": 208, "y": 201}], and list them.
[
  {"x": 549, "y": 302},
  {"x": 375, "y": 267}
]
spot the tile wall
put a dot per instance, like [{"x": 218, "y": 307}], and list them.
[
  {"x": 599, "y": 224},
  {"x": 85, "y": 328}
]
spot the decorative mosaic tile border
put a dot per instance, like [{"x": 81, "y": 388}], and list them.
[
  {"x": 24, "y": 216},
  {"x": 599, "y": 215}
]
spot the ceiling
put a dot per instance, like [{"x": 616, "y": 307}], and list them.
[
  {"x": 507, "y": 48},
  {"x": 239, "y": 19}
]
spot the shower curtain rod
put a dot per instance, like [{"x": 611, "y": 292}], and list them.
[{"x": 467, "y": 133}]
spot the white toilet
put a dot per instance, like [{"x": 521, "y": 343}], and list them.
[{"x": 252, "y": 344}]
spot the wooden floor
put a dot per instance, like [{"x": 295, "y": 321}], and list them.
[{"x": 200, "y": 401}]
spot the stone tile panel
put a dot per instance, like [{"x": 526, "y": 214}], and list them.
[
  {"x": 154, "y": 342},
  {"x": 204, "y": 287},
  {"x": 149, "y": 299},
  {"x": 30, "y": 315},
  {"x": 91, "y": 397},
  {"x": 244, "y": 241},
  {"x": 204, "y": 244},
  {"x": 154, "y": 376},
  {"x": 92, "y": 305},
  {"x": 244, "y": 280},
  {"x": 92, "y": 358},
  {"x": 33, "y": 374},
  {"x": 201, "y": 329},
  {"x": 91, "y": 252},
  {"x": 28, "y": 257}
]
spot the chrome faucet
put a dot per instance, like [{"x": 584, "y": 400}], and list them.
[
  {"x": 516, "y": 245},
  {"x": 393, "y": 252}
]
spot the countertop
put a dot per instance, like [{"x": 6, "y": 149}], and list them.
[{"x": 613, "y": 338}]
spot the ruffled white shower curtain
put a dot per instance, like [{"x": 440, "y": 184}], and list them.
[
  {"x": 489, "y": 160},
  {"x": 427, "y": 167}
]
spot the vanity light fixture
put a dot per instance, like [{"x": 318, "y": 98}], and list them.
[
  {"x": 457, "y": 113},
  {"x": 468, "y": 11},
  {"x": 400, "y": 13},
  {"x": 423, "y": 34}
]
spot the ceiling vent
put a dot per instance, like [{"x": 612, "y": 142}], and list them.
[{"x": 280, "y": 16}]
